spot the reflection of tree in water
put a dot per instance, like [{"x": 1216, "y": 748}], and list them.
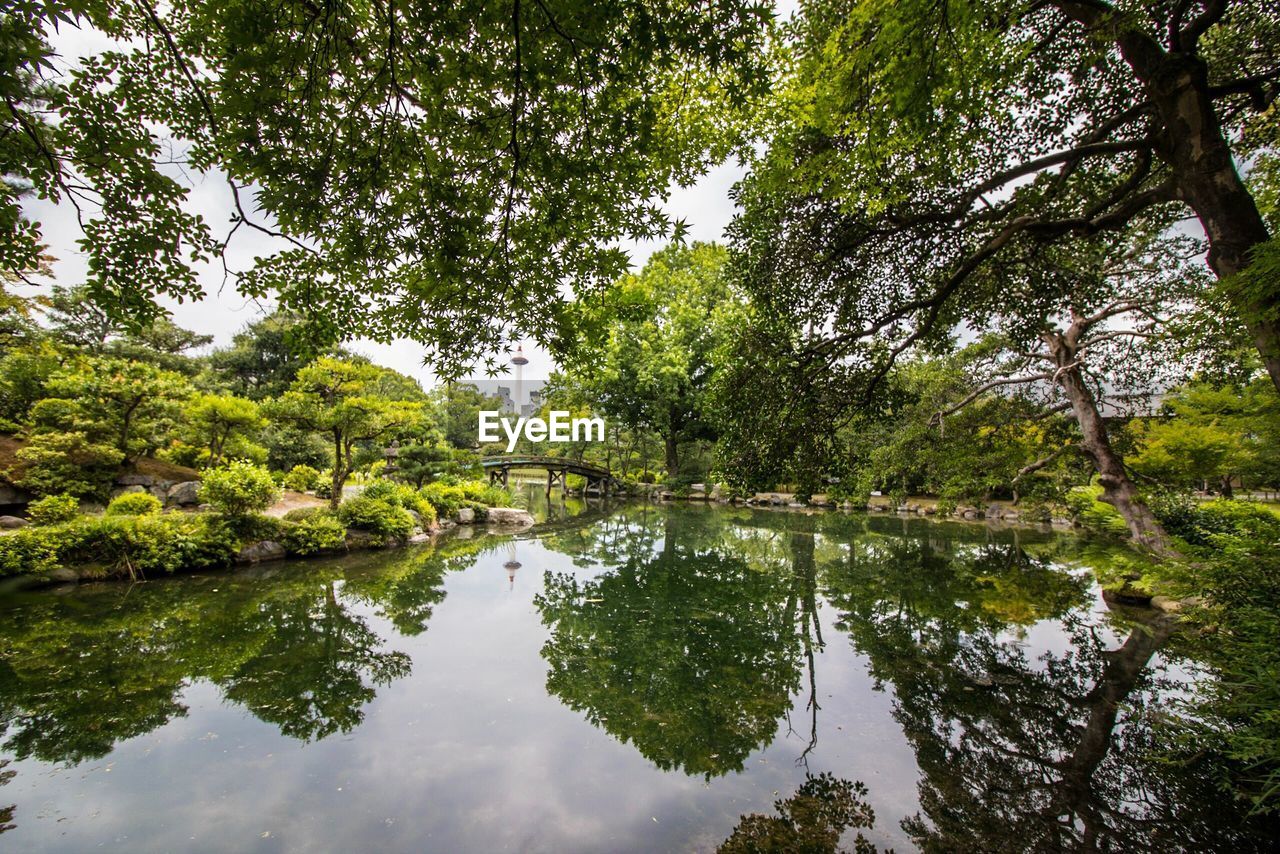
[
  {"x": 315, "y": 669},
  {"x": 80, "y": 673},
  {"x": 687, "y": 652},
  {"x": 1015, "y": 753},
  {"x": 809, "y": 822},
  {"x": 6, "y": 813}
]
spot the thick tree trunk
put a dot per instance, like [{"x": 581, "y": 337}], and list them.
[
  {"x": 673, "y": 455},
  {"x": 1118, "y": 489},
  {"x": 1194, "y": 145}
]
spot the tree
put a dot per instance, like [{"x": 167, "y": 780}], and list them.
[
  {"x": 1073, "y": 328},
  {"x": 126, "y": 403},
  {"x": 81, "y": 323},
  {"x": 332, "y": 396},
  {"x": 264, "y": 357},
  {"x": 534, "y": 115},
  {"x": 1212, "y": 434},
  {"x": 461, "y": 404},
  {"x": 217, "y": 419},
  {"x": 917, "y": 144},
  {"x": 653, "y": 367}
]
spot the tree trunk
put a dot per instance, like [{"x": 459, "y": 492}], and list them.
[
  {"x": 339, "y": 472},
  {"x": 1193, "y": 144},
  {"x": 1118, "y": 489},
  {"x": 673, "y": 455},
  {"x": 1224, "y": 486}
]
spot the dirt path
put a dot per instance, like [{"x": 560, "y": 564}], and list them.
[{"x": 292, "y": 501}]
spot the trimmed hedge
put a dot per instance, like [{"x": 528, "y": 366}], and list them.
[{"x": 134, "y": 504}]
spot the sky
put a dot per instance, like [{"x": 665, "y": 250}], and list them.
[{"x": 705, "y": 206}]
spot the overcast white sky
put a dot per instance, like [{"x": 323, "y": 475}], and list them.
[{"x": 705, "y": 206}]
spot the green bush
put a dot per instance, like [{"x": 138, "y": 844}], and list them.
[
  {"x": 1093, "y": 514},
  {"x": 324, "y": 487},
  {"x": 53, "y": 509},
  {"x": 58, "y": 462},
  {"x": 302, "y": 478},
  {"x": 448, "y": 500},
  {"x": 239, "y": 489},
  {"x": 134, "y": 504},
  {"x": 402, "y": 495},
  {"x": 317, "y": 532},
  {"x": 450, "y": 497},
  {"x": 122, "y": 545},
  {"x": 301, "y": 514},
  {"x": 376, "y": 516}
]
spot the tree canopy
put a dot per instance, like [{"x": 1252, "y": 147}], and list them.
[{"x": 436, "y": 171}]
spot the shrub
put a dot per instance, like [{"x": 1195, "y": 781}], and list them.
[
  {"x": 324, "y": 488},
  {"x": 1093, "y": 514},
  {"x": 448, "y": 495},
  {"x": 448, "y": 500},
  {"x": 402, "y": 495},
  {"x": 53, "y": 509},
  {"x": 301, "y": 514},
  {"x": 122, "y": 545},
  {"x": 239, "y": 489},
  {"x": 68, "y": 462},
  {"x": 376, "y": 516},
  {"x": 302, "y": 478},
  {"x": 134, "y": 504},
  {"x": 317, "y": 532}
]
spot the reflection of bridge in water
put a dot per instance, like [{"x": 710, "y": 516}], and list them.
[{"x": 599, "y": 480}]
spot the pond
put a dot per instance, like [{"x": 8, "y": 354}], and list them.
[{"x": 646, "y": 679}]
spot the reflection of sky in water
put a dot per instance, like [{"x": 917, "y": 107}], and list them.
[{"x": 467, "y": 752}]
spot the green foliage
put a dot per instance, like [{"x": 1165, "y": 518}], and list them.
[
  {"x": 658, "y": 335},
  {"x": 594, "y": 134},
  {"x": 53, "y": 509},
  {"x": 302, "y": 478},
  {"x": 376, "y": 516},
  {"x": 401, "y": 495},
  {"x": 114, "y": 400},
  {"x": 345, "y": 400},
  {"x": 222, "y": 424},
  {"x": 1235, "y": 569},
  {"x": 57, "y": 462},
  {"x": 264, "y": 357},
  {"x": 449, "y": 498},
  {"x": 239, "y": 489},
  {"x": 122, "y": 545},
  {"x": 1199, "y": 523},
  {"x": 134, "y": 504},
  {"x": 1094, "y": 514},
  {"x": 314, "y": 533}
]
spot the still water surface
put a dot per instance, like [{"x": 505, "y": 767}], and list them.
[{"x": 650, "y": 679}]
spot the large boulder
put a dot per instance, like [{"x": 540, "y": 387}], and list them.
[
  {"x": 184, "y": 494},
  {"x": 509, "y": 516},
  {"x": 466, "y": 516},
  {"x": 11, "y": 522},
  {"x": 260, "y": 551}
]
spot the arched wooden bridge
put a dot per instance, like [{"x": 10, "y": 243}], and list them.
[{"x": 599, "y": 480}]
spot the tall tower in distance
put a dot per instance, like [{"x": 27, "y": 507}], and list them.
[{"x": 519, "y": 361}]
